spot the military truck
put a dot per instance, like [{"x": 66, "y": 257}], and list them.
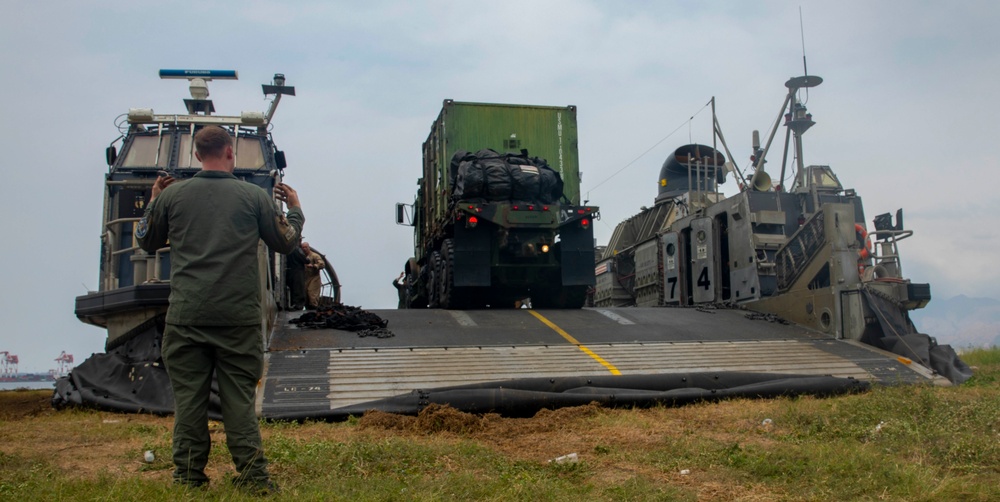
[{"x": 504, "y": 224}]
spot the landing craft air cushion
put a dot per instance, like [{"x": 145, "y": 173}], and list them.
[
  {"x": 804, "y": 253},
  {"x": 516, "y": 361}
]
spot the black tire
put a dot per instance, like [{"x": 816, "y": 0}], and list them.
[
  {"x": 451, "y": 297},
  {"x": 412, "y": 297},
  {"x": 447, "y": 279},
  {"x": 412, "y": 288},
  {"x": 434, "y": 278}
]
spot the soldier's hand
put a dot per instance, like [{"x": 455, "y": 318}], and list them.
[
  {"x": 286, "y": 194},
  {"x": 161, "y": 183}
]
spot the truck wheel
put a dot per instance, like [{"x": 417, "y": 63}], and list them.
[
  {"x": 434, "y": 279},
  {"x": 449, "y": 296},
  {"x": 415, "y": 298},
  {"x": 413, "y": 287},
  {"x": 447, "y": 279}
]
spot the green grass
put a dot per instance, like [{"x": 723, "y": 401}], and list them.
[
  {"x": 399, "y": 468},
  {"x": 986, "y": 361},
  {"x": 912, "y": 443}
]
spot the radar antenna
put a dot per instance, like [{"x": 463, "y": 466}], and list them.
[{"x": 199, "y": 102}]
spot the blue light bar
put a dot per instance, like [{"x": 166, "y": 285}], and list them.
[{"x": 219, "y": 74}]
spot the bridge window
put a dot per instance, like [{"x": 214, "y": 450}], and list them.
[
  {"x": 142, "y": 152},
  {"x": 249, "y": 154},
  {"x": 823, "y": 177},
  {"x": 185, "y": 155}
]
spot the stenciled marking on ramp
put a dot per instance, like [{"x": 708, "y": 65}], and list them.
[
  {"x": 296, "y": 382},
  {"x": 463, "y": 319},
  {"x": 615, "y": 317},
  {"x": 570, "y": 339}
]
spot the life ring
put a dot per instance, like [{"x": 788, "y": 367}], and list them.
[{"x": 866, "y": 248}]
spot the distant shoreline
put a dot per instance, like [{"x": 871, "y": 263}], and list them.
[
  {"x": 28, "y": 377},
  {"x": 27, "y": 384}
]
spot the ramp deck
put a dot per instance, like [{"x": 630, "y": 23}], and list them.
[{"x": 315, "y": 371}]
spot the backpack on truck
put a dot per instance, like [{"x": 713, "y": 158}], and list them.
[{"x": 492, "y": 176}]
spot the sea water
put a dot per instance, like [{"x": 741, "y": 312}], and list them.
[{"x": 44, "y": 384}]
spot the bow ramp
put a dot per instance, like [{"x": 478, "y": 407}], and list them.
[{"x": 517, "y": 361}]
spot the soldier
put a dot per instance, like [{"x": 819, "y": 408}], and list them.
[
  {"x": 295, "y": 273},
  {"x": 400, "y": 284},
  {"x": 214, "y": 222},
  {"x": 314, "y": 263}
]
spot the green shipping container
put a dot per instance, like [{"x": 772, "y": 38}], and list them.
[{"x": 548, "y": 132}]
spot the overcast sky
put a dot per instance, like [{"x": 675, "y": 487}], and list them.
[{"x": 906, "y": 116}]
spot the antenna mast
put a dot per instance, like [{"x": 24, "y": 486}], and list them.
[{"x": 802, "y": 33}]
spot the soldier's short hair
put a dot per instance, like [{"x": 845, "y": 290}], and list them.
[{"x": 211, "y": 141}]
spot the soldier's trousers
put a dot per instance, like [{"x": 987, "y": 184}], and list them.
[
  {"x": 313, "y": 286},
  {"x": 235, "y": 354}
]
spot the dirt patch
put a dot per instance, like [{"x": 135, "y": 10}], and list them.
[
  {"x": 21, "y": 404},
  {"x": 549, "y": 434},
  {"x": 432, "y": 419},
  {"x": 443, "y": 418},
  {"x": 546, "y": 420},
  {"x": 375, "y": 419}
]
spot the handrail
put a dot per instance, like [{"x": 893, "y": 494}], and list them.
[
  {"x": 137, "y": 182},
  {"x": 885, "y": 252},
  {"x": 896, "y": 235},
  {"x": 157, "y": 269},
  {"x": 126, "y": 250},
  {"x": 120, "y": 220}
]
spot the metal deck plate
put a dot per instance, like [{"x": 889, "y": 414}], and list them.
[{"x": 320, "y": 370}]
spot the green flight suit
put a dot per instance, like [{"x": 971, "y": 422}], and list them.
[{"x": 214, "y": 222}]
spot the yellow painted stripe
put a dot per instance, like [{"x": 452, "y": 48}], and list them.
[{"x": 570, "y": 339}]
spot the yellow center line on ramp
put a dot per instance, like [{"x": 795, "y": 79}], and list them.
[{"x": 570, "y": 339}]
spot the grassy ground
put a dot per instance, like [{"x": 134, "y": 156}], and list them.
[{"x": 893, "y": 443}]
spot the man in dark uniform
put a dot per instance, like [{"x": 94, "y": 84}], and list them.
[
  {"x": 295, "y": 274},
  {"x": 400, "y": 284},
  {"x": 214, "y": 223}
]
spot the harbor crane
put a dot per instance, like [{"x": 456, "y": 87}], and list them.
[
  {"x": 8, "y": 364},
  {"x": 64, "y": 361}
]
